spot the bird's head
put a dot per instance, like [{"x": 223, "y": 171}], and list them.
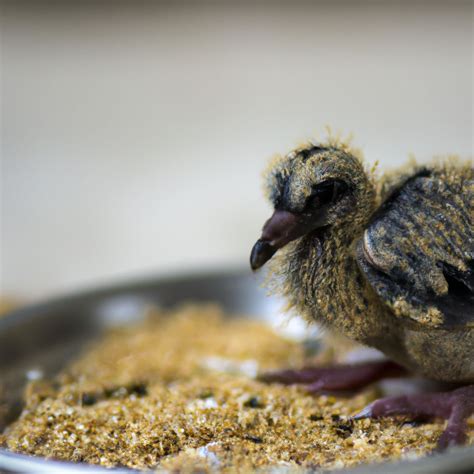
[{"x": 313, "y": 189}]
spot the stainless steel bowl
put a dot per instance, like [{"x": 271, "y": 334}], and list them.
[{"x": 41, "y": 339}]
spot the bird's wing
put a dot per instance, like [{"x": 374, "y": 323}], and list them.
[{"x": 418, "y": 250}]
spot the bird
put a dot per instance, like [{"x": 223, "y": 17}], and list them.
[{"x": 387, "y": 261}]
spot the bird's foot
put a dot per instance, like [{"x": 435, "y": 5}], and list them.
[
  {"x": 338, "y": 377},
  {"x": 455, "y": 406}
]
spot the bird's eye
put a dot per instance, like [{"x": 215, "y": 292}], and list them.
[{"x": 326, "y": 192}]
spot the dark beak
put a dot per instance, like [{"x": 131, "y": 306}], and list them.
[{"x": 281, "y": 228}]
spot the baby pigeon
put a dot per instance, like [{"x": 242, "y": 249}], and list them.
[{"x": 388, "y": 263}]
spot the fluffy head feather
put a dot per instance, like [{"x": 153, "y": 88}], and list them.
[{"x": 317, "y": 261}]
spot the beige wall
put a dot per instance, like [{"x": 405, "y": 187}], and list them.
[{"x": 133, "y": 137}]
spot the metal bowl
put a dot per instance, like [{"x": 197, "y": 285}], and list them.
[{"x": 41, "y": 339}]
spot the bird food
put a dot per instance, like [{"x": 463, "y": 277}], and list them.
[{"x": 179, "y": 391}]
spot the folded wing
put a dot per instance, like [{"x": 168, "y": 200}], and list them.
[{"x": 418, "y": 251}]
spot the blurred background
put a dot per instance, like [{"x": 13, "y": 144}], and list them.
[{"x": 134, "y": 134}]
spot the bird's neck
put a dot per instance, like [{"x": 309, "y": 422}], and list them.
[{"x": 324, "y": 283}]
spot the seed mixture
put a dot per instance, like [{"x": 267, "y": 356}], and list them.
[{"x": 178, "y": 392}]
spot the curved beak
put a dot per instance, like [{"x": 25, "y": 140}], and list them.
[{"x": 281, "y": 228}]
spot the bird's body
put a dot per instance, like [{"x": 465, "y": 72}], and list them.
[
  {"x": 388, "y": 263},
  {"x": 340, "y": 280},
  {"x": 426, "y": 275}
]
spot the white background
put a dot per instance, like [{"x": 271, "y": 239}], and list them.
[{"x": 133, "y": 137}]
